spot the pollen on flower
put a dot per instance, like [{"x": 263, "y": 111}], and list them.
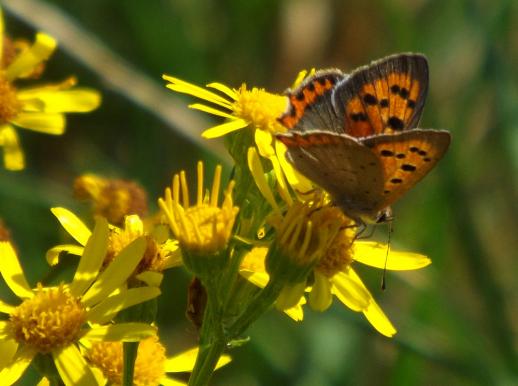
[
  {"x": 10, "y": 106},
  {"x": 338, "y": 255},
  {"x": 49, "y": 320},
  {"x": 10, "y": 51},
  {"x": 112, "y": 198},
  {"x": 261, "y": 108},
  {"x": 205, "y": 227},
  {"x": 307, "y": 229},
  {"x": 149, "y": 364}
]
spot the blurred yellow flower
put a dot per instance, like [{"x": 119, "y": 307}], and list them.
[
  {"x": 61, "y": 321},
  {"x": 151, "y": 364},
  {"x": 111, "y": 197},
  {"x": 39, "y": 108}
]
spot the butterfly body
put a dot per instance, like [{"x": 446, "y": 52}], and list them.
[{"x": 356, "y": 138}]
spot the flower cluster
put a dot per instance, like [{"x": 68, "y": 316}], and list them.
[{"x": 266, "y": 238}]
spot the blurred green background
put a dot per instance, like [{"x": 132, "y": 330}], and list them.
[{"x": 457, "y": 320}]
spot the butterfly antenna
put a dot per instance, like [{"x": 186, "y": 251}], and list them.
[{"x": 384, "y": 277}]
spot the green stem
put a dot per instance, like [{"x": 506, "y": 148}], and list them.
[
  {"x": 212, "y": 338},
  {"x": 206, "y": 362},
  {"x": 258, "y": 306},
  {"x": 130, "y": 354}
]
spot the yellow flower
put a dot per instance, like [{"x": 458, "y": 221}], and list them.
[
  {"x": 334, "y": 274},
  {"x": 205, "y": 227},
  {"x": 161, "y": 253},
  {"x": 39, "y": 108},
  {"x": 242, "y": 108},
  {"x": 60, "y": 321},
  {"x": 112, "y": 198},
  {"x": 151, "y": 364}
]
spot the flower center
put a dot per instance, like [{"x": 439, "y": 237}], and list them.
[
  {"x": 10, "y": 106},
  {"x": 154, "y": 256},
  {"x": 206, "y": 228},
  {"x": 50, "y": 320},
  {"x": 338, "y": 255},
  {"x": 261, "y": 108},
  {"x": 149, "y": 365}
]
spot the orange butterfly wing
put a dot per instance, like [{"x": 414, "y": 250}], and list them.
[
  {"x": 310, "y": 105},
  {"x": 383, "y": 97},
  {"x": 406, "y": 158}
]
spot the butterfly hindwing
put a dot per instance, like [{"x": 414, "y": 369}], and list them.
[
  {"x": 406, "y": 158},
  {"x": 310, "y": 105},
  {"x": 384, "y": 97},
  {"x": 350, "y": 172}
]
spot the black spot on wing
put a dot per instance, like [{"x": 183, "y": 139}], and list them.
[
  {"x": 370, "y": 99},
  {"x": 396, "y": 123},
  {"x": 408, "y": 168}
]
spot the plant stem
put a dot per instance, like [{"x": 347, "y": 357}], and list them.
[
  {"x": 212, "y": 338},
  {"x": 258, "y": 306}
]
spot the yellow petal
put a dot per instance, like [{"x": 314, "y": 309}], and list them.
[
  {"x": 126, "y": 332},
  {"x": 77, "y": 100},
  {"x": 282, "y": 187},
  {"x": 12, "y": 271},
  {"x": 299, "y": 183},
  {"x": 8, "y": 348},
  {"x": 263, "y": 140},
  {"x": 260, "y": 279},
  {"x": 184, "y": 361},
  {"x": 320, "y": 297},
  {"x": 47, "y": 123},
  {"x": 53, "y": 253},
  {"x": 184, "y": 87},
  {"x": 296, "y": 313},
  {"x": 109, "y": 307},
  {"x": 44, "y": 382},
  {"x": 210, "y": 110},
  {"x": 379, "y": 320},
  {"x": 373, "y": 253},
  {"x": 25, "y": 63},
  {"x": 290, "y": 296},
  {"x": 150, "y": 278},
  {"x": 72, "y": 367},
  {"x": 72, "y": 224},
  {"x": 19, "y": 363},
  {"x": 350, "y": 291},
  {"x": 134, "y": 226},
  {"x": 256, "y": 168},
  {"x": 6, "y": 308},
  {"x": 224, "y": 128},
  {"x": 92, "y": 258},
  {"x": 13, "y": 154},
  {"x": 116, "y": 273},
  {"x": 165, "y": 381},
  {"x": 224, "y": 89},
  {"x": 373, "y": 312}
]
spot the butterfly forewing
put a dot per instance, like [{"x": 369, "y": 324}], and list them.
[
  {"x": 310, "y": 105},
  {"x": 384, "y": 97},
  {"x": 350, "y": 172},
  {"x": 406, "y": 158}
]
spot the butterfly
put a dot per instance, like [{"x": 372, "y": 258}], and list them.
[{"x": 354, "y": 134}]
